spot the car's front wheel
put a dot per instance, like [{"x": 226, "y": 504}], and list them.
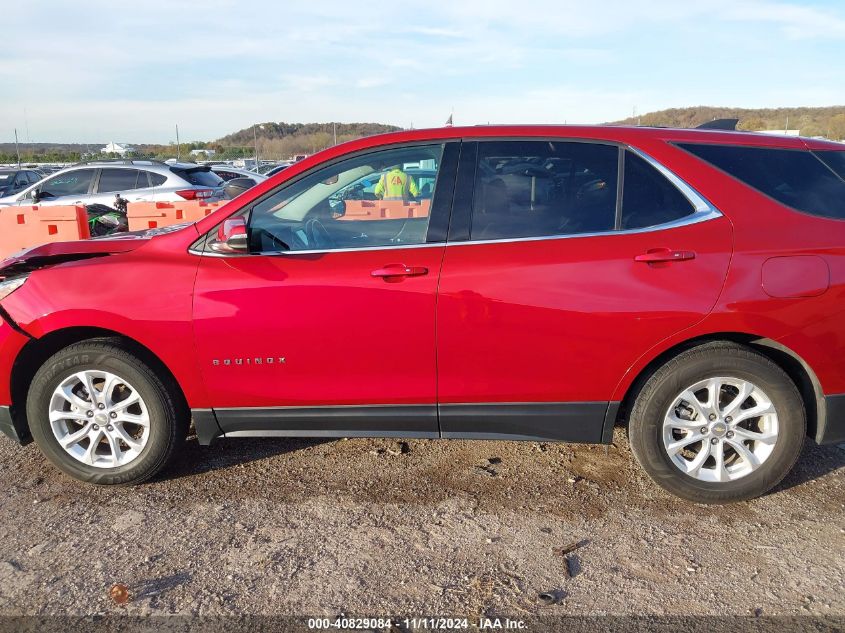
[
  {"x": 718, "y": 423},
  {"x": 102, "y": 415}
]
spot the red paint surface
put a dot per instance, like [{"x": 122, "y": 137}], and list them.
[
  {"x": 548, "y": 320},
  {"x": 795, "y": 276}
]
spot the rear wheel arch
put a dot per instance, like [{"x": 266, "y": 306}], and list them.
[
  {"x": 788, "y": 360},
  {"x": 36, "y": 352}
]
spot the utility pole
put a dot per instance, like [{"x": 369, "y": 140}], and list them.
[
  {"x": 334, "y": 131},
  {"x": 17, "y": 151},
  {"x": 255, "y": 140},
  {"x": 177, "y": 142}
]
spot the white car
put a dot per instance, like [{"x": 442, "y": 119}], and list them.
[
  {"x": 98, "y": 182},
  {"x": 227, "y": 172}
]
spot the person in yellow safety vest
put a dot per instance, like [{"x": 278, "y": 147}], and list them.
[{"x": 396, "y": 185}]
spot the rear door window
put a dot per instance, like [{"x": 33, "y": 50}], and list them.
[
  {"x": 796, "y": 178},
  {"x": 543, "y": 188},
  {"x": 117, "y": 180},
  {"x": 648, "y": 198}
]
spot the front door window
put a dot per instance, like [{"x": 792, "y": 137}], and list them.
[
  {"x": 373, "y": 200},
  {"x": 70, "y": 183}
]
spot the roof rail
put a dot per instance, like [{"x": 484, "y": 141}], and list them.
[
  {"x": 719, "y": 124},
  {"x": 120, "y": 161}
]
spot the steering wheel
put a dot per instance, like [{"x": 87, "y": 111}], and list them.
[{"x": 318, "y": 236}]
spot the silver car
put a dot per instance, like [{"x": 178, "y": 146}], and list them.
[
  {"x": 227, "y": 172},
  {"x": 98, "y": 182}
]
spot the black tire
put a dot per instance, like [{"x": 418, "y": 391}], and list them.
[
  {"x": 168, "y": 421},
  {"x": 645, "y": 425}
]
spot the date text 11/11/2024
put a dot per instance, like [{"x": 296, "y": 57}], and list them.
[{"x": 418, "y": 623}]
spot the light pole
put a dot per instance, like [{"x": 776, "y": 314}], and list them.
[{"x": 255, "y": 140}]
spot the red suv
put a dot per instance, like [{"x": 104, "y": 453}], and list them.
[{"x": 525, "y": 283}]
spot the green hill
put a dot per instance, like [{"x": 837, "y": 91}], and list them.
[
  {"x": 828, "y": 122},
  {"x": 282, "y": 140},
  {"x": 283, "y": 130}
]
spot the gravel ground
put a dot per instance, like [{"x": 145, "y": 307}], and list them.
[{"x": 418, "y": 528}]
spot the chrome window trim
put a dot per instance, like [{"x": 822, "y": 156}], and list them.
[
  {"x": 694, "y": 218},
  {"x": 704, "y": 211},
  {"x": 388, "y": 247},
  {"x": 697, "y": 200}
]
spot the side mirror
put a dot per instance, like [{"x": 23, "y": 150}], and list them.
[
  {"x": 35, "y": 194},
  {"x": 231, "y": 237}
]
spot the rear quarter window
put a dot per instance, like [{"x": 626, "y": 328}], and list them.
[
  {"x": 648, "y": 199},
  {"x": 156, "y": 179},
  {"x": 796, "y": 178}
]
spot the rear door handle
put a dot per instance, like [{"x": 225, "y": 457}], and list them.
[
  {"x": 659, "y": 255},
  {"x": 399, "y": 270}
]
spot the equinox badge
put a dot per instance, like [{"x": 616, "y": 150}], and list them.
[{"x": 263, "y": 360}]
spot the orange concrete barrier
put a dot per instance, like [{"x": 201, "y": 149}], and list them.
[
  {"x": 151, "y": 215},
  {"x": 385, "y": 209},
  {"x": 196, "y": 210},
  {"x": 23, "y": 227}
]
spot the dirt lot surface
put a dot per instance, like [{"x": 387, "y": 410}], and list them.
[{"x": 381, "y": 527}]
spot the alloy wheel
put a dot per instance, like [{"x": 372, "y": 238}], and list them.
[
  {"x": 99, "y": 419},
  {"x": 720, "y": 429}
]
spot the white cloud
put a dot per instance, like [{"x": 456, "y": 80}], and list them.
[
  {"x": 795, "y": 21},
  {"x": 98, "y": 69}
]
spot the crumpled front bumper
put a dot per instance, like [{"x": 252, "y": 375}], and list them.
[{"x": 12, "y": 342}]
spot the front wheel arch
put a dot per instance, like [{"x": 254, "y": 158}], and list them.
[{"x": 36, "y": 352}]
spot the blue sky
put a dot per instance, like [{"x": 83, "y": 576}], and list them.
[{"x": 96, "y": 71}]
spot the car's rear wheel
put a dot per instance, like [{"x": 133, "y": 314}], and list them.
[
  {"x": 102, "y": 415},
  {"x": 718, "y": 423}
]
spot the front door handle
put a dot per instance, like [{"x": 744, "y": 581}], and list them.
[
  {"x": 661, "y": 255},
  {"x": 399, "y": 270}
]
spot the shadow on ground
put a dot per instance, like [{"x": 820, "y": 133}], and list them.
[
  {"x": 815, "y": 461},
  {"x": 223, "y": 454}
]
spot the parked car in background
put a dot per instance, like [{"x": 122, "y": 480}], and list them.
[
  {"x": 227, "y": 172},
  {"x": 277, "y": 169},
  {"x": 561, "y": 281},
  {"x": 98, "y": 182},
  {"x": 272, "y": 170},
  {"x": 13, "y": 181}
]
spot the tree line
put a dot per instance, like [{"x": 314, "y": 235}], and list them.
[
  {"x": 279, "y": 141},
  {"x": 828, "y": 122},
  {"x": 276, "y": 141}
]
